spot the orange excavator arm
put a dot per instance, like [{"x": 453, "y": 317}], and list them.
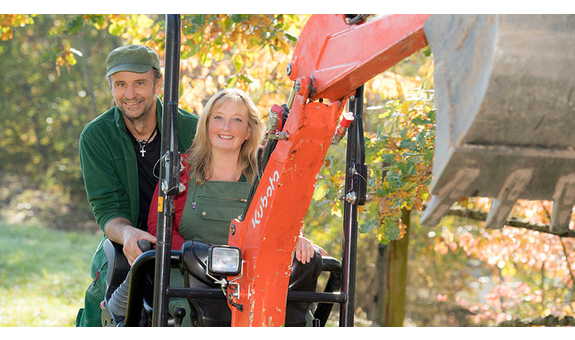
[{"x": 333, "y": 58}]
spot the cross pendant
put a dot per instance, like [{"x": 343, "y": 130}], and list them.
[{"x": 142, "y": 151}]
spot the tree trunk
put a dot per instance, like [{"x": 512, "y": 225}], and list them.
[{"x": 391, "y": 280}]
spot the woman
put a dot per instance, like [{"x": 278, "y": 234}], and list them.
[{"x": 218, "y": 171}]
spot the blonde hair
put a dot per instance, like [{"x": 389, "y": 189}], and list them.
[{"x": 200, "y": 153}]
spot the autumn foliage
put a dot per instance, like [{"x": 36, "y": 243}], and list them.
[{"x": 459, "y": 272}]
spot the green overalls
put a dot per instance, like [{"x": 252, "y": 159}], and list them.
[
  {"x": 211, "y": 207},
  {"x": 206, "y": 217}
]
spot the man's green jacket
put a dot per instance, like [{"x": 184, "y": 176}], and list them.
[{"x": 110, "y": 172}]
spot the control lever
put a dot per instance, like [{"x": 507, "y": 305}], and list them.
[
  {"x": 144, "y": 245},
  {"x": 179, "y": 314}
]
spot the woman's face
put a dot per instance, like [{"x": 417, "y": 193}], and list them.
[{"x": 228, "y": 126}]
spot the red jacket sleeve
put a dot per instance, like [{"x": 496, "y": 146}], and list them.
[{"x": 179, "y": 203}]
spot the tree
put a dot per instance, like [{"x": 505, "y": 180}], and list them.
[
  {"x": 534, "y": 270},
  {"x": 399, "y": 129},
  {"x": 46, "y": 103}
]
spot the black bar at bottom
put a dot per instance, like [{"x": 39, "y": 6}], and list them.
[{"x": 215, "y": 293}]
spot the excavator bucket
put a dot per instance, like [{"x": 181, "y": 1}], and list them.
[{"x": 505, "y": 95}]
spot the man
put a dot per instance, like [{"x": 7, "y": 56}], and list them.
[{"x": 118, "y": 154}]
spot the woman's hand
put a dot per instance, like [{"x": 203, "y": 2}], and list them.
[{"x": 304, "y": 250}]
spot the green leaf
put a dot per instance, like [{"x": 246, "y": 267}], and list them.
[
  {"x": 368, "y": 226},
  {"x": 394, "y": 179},
  {"x": 290, "y": 36},
  {"x": 408, "y": 144}
]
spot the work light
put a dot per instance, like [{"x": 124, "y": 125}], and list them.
[{"x": 224, "y": 261}]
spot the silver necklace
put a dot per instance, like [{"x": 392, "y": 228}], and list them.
[{"x": 144, "y": 142}]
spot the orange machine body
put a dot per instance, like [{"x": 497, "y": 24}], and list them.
[{"x": 331, "y": 60}]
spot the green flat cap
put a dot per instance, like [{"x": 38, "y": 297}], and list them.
[{"x": 132, "y": 58}]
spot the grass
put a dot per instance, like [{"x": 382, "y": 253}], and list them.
[{"x": 43, "y": 274}]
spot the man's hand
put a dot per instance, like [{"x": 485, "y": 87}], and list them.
[
  {"x": 121, "y": 231},
  {"x": 131, "y": 238}
]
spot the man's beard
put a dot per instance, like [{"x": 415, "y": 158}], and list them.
[{"x": 141, "y": 117}]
